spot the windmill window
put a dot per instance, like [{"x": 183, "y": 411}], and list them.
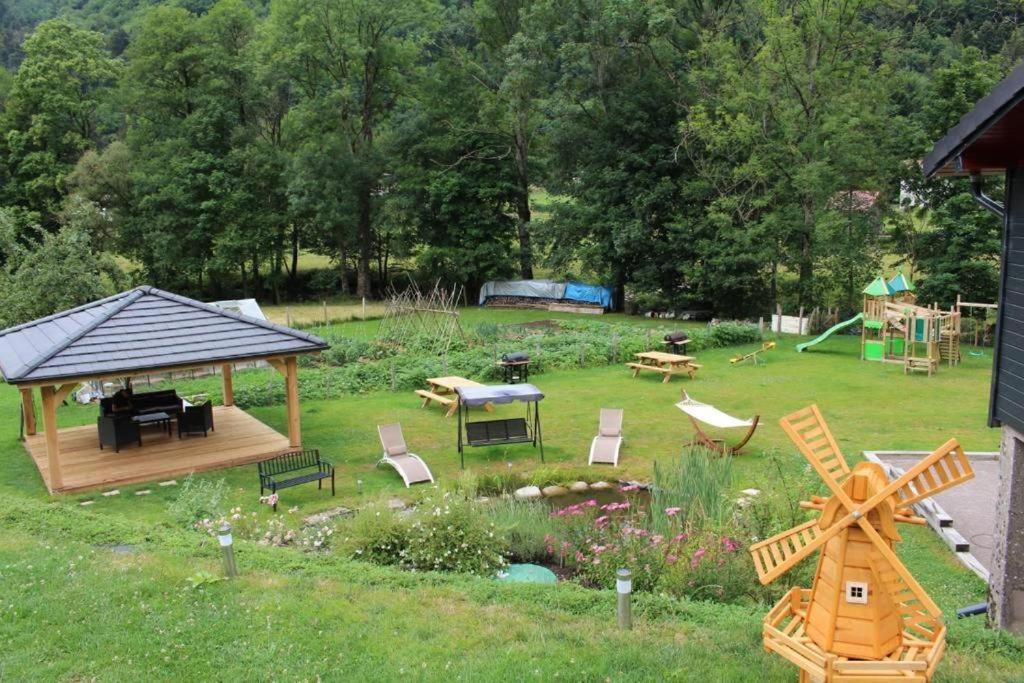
[{"x": 857, "y": 592}]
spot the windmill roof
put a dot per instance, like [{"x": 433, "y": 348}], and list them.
[
  {"x": 878, "y": 287},
  {"x": 138, "y": 330}
]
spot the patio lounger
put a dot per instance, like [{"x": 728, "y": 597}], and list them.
[
  {"x": 702, "y": 413},
  {"x": 605, "y": 446},
  {"x": 409, "y": 466}
]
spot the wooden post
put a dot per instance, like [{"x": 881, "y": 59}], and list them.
[
  {"x": 226, "y": 381},
  {"x": 800, "y": 321},
  {"x": 778, "y": 323},
  {"x": 28, "y": 408},
  {"x": 52, "y": 441},
  {"x": 325, "y": 311},
  {"x": 291, "y": 378}
]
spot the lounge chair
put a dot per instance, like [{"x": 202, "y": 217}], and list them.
[
  {"x": 605, "y": 446},
  {"x": 702, "y": 413},
  {"x": 409, "y": 466}
]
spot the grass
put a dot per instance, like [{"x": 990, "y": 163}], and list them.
[{"x": 73, "y": 609}]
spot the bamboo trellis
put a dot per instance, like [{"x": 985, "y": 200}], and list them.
[{"x": 432, "y": 317}]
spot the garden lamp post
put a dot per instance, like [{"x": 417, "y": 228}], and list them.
[
  {"x": 226, "y": 544},
  {"x": 623, "y": 590}
]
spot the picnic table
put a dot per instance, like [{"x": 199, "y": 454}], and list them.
[
  {"x": 442, "y": 391},
  {"x": 667, "y": 364}
]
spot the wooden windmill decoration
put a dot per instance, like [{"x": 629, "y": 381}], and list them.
[{"x": 865, "y": 618}]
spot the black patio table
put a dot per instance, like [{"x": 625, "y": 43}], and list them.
[{"x": 162, "y": 419}]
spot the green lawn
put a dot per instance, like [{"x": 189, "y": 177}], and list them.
[{"x": 73, "y": 606}]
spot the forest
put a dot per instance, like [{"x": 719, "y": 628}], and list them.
[{"x": 718, "y": 154}]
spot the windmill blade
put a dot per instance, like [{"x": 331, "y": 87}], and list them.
[
  {"x": 774, "y": 556},
  {"x": 944, "y": 468},
  {"x": 808, "y": 430},
  {"x": 921, "y": 616}
]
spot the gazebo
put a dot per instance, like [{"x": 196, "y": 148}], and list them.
[{"x": 146, "y": 331}]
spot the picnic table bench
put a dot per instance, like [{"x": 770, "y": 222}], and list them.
[
  {"x": 294, "y": 461},
  {"x": 666, "y": 364},
  {"x": 442, "y": 392}
]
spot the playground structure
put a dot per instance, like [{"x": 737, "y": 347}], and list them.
[
  {"x": 982, "y": 333},
  {"x": 896, "y": 329},
  {"x": 753, "y": 355},
  {"x": 865, "y": 617}
]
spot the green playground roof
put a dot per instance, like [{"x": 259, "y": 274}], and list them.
[
  {"x": 900, "y": 284},
  {"x": 878, "y": 287}
]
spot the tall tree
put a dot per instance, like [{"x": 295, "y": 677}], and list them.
[
  {"x": 51, "y": 114},
  {"x": 355, "y": 56}
]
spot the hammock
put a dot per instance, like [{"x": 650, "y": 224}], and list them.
[{"x": 708, "y": 414}]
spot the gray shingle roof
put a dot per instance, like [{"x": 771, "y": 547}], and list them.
[{"x": 142, "y": 329}]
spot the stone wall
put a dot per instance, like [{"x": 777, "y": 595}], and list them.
[{"x": 1006, "y": 598}]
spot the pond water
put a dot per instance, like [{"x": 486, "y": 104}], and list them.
[{"x": 640, "y": 498}]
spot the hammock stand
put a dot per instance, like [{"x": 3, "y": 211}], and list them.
[
  {"x": 703, "y": 413},
  {"x": 499, "y": 432}
]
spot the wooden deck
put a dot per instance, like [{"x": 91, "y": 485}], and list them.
[{"x": 239, "y": 439}]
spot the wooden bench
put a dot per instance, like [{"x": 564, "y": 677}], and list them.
[
  {"x": 451, "y": 401},
  {"x": 294, "y": 461}
]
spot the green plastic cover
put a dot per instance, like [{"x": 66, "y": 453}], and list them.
[{"x": 527, "y": 573}]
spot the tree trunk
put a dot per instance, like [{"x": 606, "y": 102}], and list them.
[
  {"x": 522, "y": 202},
  {"x": 365, "y": 244},
  {"x": 245, "y": 280},
  {"x": 293, "y": 275},
  {"x": 806, "y": 263}
]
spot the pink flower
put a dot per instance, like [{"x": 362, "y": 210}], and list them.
[
  {"x": 601, "y": 521},
  {"x": 697, "y": 554},
  {"x": 730, "y": 545},
  {"x": 657, "y": 539},
  {"x": 671, "y": 559},
  {"x": 589, "y": 503},
  {"x": 679, "y": 538},
  {"x": 672, "y": 512}
]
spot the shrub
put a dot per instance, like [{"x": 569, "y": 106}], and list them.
[
  {"x": 696, "y": 484},
  {"x": 443, "y": 533},
  {"x": 524, "y": 526},
  {"x": 198, "y": 499}
]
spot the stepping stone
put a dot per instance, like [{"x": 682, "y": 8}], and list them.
[
  {"x": 751, "y": 492},
  {"x": 326, "y": 515},
  {"x": 554, "y": 491},
  {"x": 143, "y": 492},
  {"x": 172, "y": 482},
  {"x": 579, "y": 486},
  {"x": 528, "y": 493},
  {"x": 601, "y": 486},
  {"x": 86, "y": 502},
  {"x": 115, "y": 492},
  {"x": 396, "y": 504}
]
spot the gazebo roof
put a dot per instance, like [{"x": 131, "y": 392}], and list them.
[{"x": 143, "y": 329}]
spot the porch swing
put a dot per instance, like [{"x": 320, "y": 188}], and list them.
[{"x": 499, "y": 432}]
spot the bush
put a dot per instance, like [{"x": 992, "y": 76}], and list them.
[
  {"x": 198, "y": 499},
  {"x": 696, "y": 485},
  {"x": 443, "y": 533},
  {"x": 524, "y": 527}
]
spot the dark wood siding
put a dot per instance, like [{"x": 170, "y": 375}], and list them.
[{"x": 1007, "y": 404}]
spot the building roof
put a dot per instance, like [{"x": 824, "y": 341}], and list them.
[
  {"x": 878, "y": 287},
  {"x": 989, "y": 138},
  {"x": 899, "y": 284},
  {"x": 143, "y": 329}
]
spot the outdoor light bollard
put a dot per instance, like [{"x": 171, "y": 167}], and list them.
[
  {"x": 623, "y": 590},
  {"x": 224, "y": 536}
]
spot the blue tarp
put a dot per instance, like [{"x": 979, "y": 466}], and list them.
[
  {"x": 593, "y": 294},
  {"x": 546, "y": 289}
]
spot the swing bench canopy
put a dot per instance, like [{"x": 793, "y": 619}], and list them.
[
  {"x": 498, "y": 432},
  {"x": 499, "y": 394}
]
